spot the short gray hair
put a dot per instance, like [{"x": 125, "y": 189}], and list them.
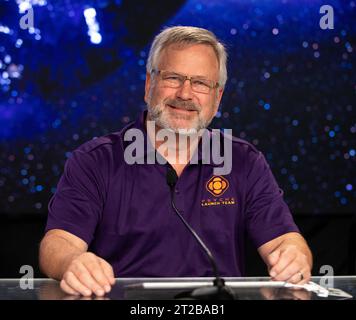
[{"x": 188, "y": 35}]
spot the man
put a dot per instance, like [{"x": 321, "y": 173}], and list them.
[{"x": 112, "y": 219}]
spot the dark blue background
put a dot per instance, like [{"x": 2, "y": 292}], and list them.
[{"x": 291, "y": 89}]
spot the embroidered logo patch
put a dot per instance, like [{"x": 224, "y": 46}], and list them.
[{"x": 217, "y": 185}]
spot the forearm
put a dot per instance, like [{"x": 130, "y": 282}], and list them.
[
  {"x": 55, "y": 255},
  {"x": 293, "y": 239}
]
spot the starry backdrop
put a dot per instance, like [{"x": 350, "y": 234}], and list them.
[{"x": 79, "y": 73}]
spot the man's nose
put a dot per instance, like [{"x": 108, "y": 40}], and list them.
[{"x": 185, "y": 91}]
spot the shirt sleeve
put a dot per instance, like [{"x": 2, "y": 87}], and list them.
[
  {"x": 267, "y": 214},
  {"x": 77, "y": 203}
]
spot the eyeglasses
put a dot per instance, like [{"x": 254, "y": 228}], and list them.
[{"x": 175, "y": 80}]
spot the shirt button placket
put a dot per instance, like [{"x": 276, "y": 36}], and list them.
[{"x": 179, "y": 200}]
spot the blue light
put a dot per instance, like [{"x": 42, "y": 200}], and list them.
[
  {"x": 331, "y": 134},
  {"x": 352, "y": 152},
  {"x": 25, "y": 181},
  {"x": 295, "y": 122},
  {"x": 19, "y": 43},
  {"x": 294, "y": 158},
  {"x": 349, "y": 187},
  {"x": 267, "y": 106},
  {"x": 236, "y": 110},
  {"x": 39, "y": 188},
  {"x": 27, "y": 150},
  {"x": 4, "y": 29},
  {"x": 343, "y": 200},
  {"x": 233, "y": 31},
  {"x": 56, "y": 123},
  {"x": 23, "y": 172},
  {"x": 337, "y": 194}
]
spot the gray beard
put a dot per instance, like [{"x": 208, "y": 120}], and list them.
[{"x": 156, "y": 114}]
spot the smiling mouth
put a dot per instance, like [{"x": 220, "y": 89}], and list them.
[{"x": 180, "y": 109}]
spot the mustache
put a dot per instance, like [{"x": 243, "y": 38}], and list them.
[{"x": 186, "y": 105}]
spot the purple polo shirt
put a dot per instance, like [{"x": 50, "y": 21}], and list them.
[{"x": 123, "y": 212}]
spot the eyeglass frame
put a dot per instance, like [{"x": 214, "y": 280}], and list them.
[{"x": 184, "y": 78}]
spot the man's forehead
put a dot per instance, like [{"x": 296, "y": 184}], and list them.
[
  {"x": 175, "y": 57},
  {"x": 183, "y": 48}
]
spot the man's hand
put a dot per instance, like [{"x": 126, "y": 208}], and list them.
[
  {"x": 289, "y": 263},
  {"x": 65, "y": 257},
  {"x": 88, "y": 274},
  {"x": 288, "y": 259}
]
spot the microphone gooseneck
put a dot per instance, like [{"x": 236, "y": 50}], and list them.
[{"x": 219, "y": 290}]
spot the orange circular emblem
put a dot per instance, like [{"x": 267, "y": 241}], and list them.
[{"x": 217, "y": 185}]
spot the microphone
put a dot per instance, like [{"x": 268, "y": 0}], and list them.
[{"x": 219, "y": 291}]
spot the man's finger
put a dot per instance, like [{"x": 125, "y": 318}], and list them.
[
  {"x": 108, "y": 271},
  {"x": 289, "y": 271},
  {"x": 273, "y": 257},
  {"x": 300, "y": 277},
  {"x": 67, "y": 289},
  {"x": 285, "y": 258},
  {"x": 85, "y": 277},
  {"x": 98, "y": 275},
  {"x": 76, "y": 284}
]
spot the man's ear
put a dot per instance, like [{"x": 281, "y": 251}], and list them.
[{"x": 147, "y": 87}]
